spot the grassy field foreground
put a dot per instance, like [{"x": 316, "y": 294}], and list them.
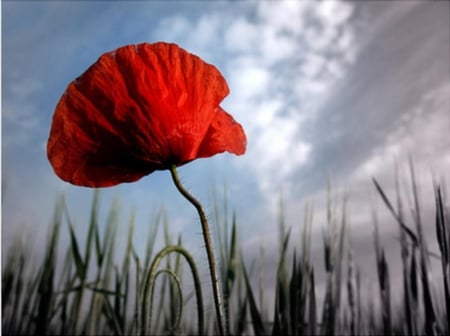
[{"x": 93, "y": 294}]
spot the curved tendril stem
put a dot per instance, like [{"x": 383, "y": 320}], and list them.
[
  {"x": 209, "y": 248},
  {"x": 147, "y": 301}
]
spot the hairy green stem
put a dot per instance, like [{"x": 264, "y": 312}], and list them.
[
  {"x": 209, "y": 248},
  {"x": 147, "y": 301}
]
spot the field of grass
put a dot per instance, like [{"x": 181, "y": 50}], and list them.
[{"x": 162, "y": 293}]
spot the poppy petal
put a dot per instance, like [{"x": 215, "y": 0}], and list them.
[
  {"x": 178, "y": 93},
  {"x": 77, "y": 155},
  {"x": 138, "y": 109},
  {"x": 224, "y": 135}
]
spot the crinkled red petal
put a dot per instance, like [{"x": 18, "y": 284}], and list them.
[
  {"x": 224, "y": 135},
  {"x": 138, "y": 109}
]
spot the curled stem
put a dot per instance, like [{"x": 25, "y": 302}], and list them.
[
  {"x": 177, "y": 282},
  {"x": 209, "y": 249},
  {"x": 146, "y": 315}
]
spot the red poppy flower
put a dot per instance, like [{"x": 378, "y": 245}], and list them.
[{"x": 138, "y": 109}]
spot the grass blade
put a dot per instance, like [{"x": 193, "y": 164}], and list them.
[
  {"x": 430, "y": 316},
  {"x": 396, "y": 216},
  {"x": 443, "y": 237},
  {"x": 257, "y": 321},
  {"x": 312, "y": 325}
]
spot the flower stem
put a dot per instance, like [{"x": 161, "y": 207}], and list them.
[{"x": 209, "y": 248}]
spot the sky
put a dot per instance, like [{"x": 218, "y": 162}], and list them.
[{"x": 325, "y": 90}]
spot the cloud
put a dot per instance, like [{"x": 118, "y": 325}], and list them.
[
  {"x": 349, "y": 124},
  {"x": 249, "y": 80},
  {"x": 285, "y": 61},
  {"x": 335, "y": 13},
  {"x": 420, "y": 133},
  {"x": 242, "y": 36},
  {"x": 285, "y": 16},
  {"x": 197, "y": 35}
]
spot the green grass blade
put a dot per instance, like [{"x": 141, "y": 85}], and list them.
[
  {"x": 257, "y": 321},
  {"x": 230, "y": 273},
  {"x": 46, "y": 283},
  {"x": 152, "y": 234},
  {"x": 281, "y": 315},
  {"x": 79, "y": 263},
  {"x": 111, "y": 316},
  {"x": 93, "y": 225}
]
